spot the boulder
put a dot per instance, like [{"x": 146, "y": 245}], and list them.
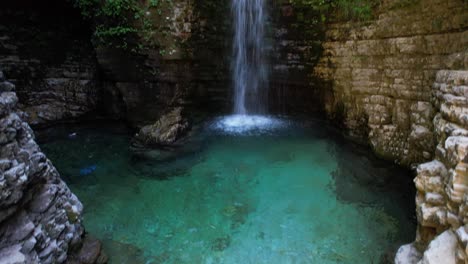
[
  {"x": 166, "y": 131},
  {"x": 91, "y": 252},
  {"x": 407, "y": 254},
  {"x": 442, "y": 249}
]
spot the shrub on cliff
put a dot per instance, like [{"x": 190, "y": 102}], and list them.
[{"x": 119, "y": 23}]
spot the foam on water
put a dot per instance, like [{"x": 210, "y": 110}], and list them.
[{"x": 248, "y": 124}]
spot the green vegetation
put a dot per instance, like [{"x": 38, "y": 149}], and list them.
[
  {"x": 347, "y": 9},
  {"x": 119, "y": 23}
]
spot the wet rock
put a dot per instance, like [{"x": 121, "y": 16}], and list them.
[
  {"x": 91, "y": 252},
  {"x": 407, "y": 254},
  {"x": 166, "y": 131},
  {"x": 442, "y": 249},
  {"x": 125, "y": 253}
]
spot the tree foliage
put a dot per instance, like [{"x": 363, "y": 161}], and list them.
[{"x": 118, "y": 23}]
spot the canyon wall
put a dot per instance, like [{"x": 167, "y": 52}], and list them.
[
  {"x": 188, "y": 67},
  {"x": 399, "y": 82},
  {"x": 381, "y": 72},
  {"x": 442, "y": 184},
  {"x": 62, "y": 75},
  {"x": 296, "y": 44},
  {"x": 40, "y": 218},
  {"x": 191, "y": 68},
  {"x": 49, "y": 57}
]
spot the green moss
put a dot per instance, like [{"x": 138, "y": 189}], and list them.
[
  {"x": 72, "y": 215},
  {"x": 361, "y": 10},
  {"x": 119, "y": 23}
]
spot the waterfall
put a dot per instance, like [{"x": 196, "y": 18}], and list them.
[{"x": 249, "y": 70}]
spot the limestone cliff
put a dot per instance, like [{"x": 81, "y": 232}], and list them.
[
  {"x": 442, "y": 184},
  {"x": 49, "y": 57},
  {"x": 40, "y": 218},
  {"x": 381, "y": 73},
  {"x": 400, "y": 82}
]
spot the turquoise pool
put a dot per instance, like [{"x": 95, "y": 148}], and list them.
[{"x": 291, "y": 194}]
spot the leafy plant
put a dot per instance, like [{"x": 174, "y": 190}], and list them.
[{"x": 117, "y": 23}]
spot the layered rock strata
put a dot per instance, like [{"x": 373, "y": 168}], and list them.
[
  {"x": 442, "y": 184},
  {"x": 40, "y": 218},
  {"x": 381, "y": 73},
  {"x": 48, "y": 55},
  {"x": 399, "y": 82}
]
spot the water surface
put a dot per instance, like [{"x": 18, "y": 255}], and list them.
[{"x": 293, "y": 195}]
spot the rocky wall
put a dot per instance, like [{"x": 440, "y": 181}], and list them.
[
  {"x": 46, "y": 51},
  {"x": 295, "y": 40},
  {"x": 189, "y": 67},
  {"x": 40, "y": 218},
  {"x": 442, "y": 184},
  {"x": 380, "y": 73}
]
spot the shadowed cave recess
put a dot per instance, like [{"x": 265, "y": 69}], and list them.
[{"x": 234, "y": 131}]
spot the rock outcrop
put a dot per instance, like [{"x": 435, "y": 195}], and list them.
[
  {"x": 40, "y": 218},
  {"x": 48, "y": 55},
  {"x": 442, "y": 184},
  {"x": 400, "y": 82},
  {"x": 166, "y": 131},
  {"x": 381, "y": 73}
]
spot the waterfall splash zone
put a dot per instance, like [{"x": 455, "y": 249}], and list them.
[{"x": 248, "y": 124}]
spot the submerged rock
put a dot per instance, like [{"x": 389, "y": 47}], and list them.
[
  {"x": 221, "y": 243},
  {"x": 91, "y": 252},
  {"x": 166, "y": 131}
]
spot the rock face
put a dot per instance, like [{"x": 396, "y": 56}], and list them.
[
  {"x": 166, "y": 131},
  {"x": 49, "y": 57},
  {"x": 381, "y": 72},
  {"x": 40, "y": 218},
  {"x": 60, "y": 75},
  {"x": 188, "y": 69},
  {"x": 400, "y": 82},
  {"x": 442, "y": 184},
  {"x": 296, "y": 35}
]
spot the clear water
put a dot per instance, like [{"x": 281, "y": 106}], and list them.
[{"x": 293, "y": 195}]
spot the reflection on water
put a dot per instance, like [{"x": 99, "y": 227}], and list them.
[{"x": 295, "y": 196}]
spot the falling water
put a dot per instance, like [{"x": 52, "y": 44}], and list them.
[{"x": 249, "y": 68}]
